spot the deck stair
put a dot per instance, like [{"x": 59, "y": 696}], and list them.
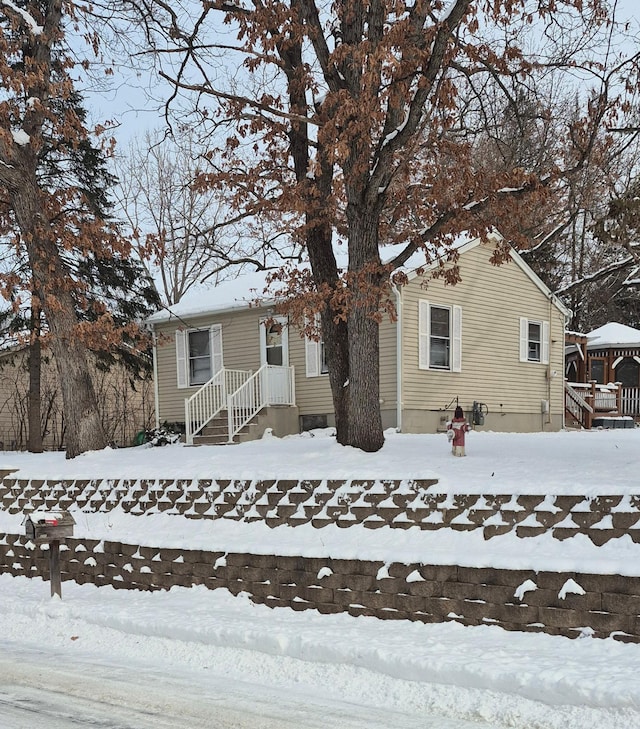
[{"x": 587, "y": 402}]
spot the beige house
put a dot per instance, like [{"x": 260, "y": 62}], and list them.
[
  {"x": 493, "y": 343},
  {"x": 125, "y": 406}
]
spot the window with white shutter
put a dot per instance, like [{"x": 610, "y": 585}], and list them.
[
  {"x": 534, "y": 341},
  {"x": 439, "y": 337},
  {"x": 198, "y": 355}
]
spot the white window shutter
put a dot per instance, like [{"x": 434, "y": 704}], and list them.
[
  {"x": 456, "y": 340},
  {"x": 524, "y": 339},
  {"x": 312, "y": 356},
  {"x": 215, "y": 347},
  {"x": 262, "y": 325},
  {"x": 545, "y": 342},
  {"x": 423, "y": 334},
  {"x": 181, "y": 358},
  {"x": 285, "y": 341}
]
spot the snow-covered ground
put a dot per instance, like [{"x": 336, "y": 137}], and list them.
[
  {"x": 591, "y": 462},
  {"x": 352, "y": 672}
]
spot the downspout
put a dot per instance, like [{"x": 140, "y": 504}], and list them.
[
  {"x": 564, "y": 349},
  {"x": 156, "y": 394},
  {"x": 396, "y": 290},
  {"x": 550, "y": 375},
  {"x": 548, "y": 419}
]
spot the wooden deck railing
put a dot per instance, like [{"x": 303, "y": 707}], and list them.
[
  {"x": 584, "y": 400},
  {"x": 576, "y": 407}
]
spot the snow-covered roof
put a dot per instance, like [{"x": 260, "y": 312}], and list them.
[
  {"x": 613, "y": 334},
  {"x": 235, "y": 293},
  {"x": 247, "y": 289}
]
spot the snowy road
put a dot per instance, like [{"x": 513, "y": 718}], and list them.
[{"x": 41, "y": 689}]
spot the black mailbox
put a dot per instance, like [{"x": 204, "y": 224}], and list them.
[{"x": 42, "y": 526}]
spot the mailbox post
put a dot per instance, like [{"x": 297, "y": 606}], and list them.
[{"x": 44, "y": 527}]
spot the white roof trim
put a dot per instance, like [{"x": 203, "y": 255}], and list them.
[
  {"x": 515, "y": 256},
  {"x": 166, "y": 315}
]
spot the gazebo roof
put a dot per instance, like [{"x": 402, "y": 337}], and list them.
[{"x": 613, "y": 334}]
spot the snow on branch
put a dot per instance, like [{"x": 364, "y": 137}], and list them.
[
  {"x": 27, "y": 17},
  {"x": 394, "y": 133},
  {"x": 601, "y": 273}
]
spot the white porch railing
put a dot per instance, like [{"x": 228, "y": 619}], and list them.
[
  {"x": 270, "y": 385},
  {"x": 210, "y": 399},
  {"x": 631, "y": 401}
]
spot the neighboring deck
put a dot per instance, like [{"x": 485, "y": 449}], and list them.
[{"x": 588, "y": 403}]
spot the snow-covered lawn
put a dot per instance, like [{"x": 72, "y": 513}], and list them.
[
  {"x": 589, "y": 462},
  {"x": 508, "y": 679}
]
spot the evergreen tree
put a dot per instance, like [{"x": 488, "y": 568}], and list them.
[{"x": 70, "y": 258}]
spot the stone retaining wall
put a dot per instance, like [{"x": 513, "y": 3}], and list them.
[
  {"x": 373, "y": 503},
  {"x": 568, "y": 604}
]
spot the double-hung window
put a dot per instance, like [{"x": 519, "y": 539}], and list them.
[
  {"x": 534, "y": 341},
  {"x": 198, "y": 355},
  {"x": 440, "y": 337}
]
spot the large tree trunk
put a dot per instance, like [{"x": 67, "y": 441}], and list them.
[
  {"x": 364, "y": 365},
  {"x": 84, "y": 430},
  {"x": 35, "y": 370},
  {"x": 336, "y": 343},
  {"x": 334, "y": 328},
  {"x": 365, "y": 420}
]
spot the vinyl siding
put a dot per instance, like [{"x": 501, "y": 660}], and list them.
[
  {"x": 241, "y": 350},
  {"x": 493, "y": 298},
  {"x": 313, "y": 394}
]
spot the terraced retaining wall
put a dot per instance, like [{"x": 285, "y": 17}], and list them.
[{"x": 569, "y": 604}]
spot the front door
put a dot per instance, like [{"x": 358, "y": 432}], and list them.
[{"x": 274, "y": 351}]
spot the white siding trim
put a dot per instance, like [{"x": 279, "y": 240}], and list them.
[
  {"x": 215, "y": 348},
  {"x": 456, "y": 339},
  {"x": 524, "y": 339},
  {"x": 544, "y": 355},
  {"x": 181, "y": 359},
  {"x": 423, "y": 334}
]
